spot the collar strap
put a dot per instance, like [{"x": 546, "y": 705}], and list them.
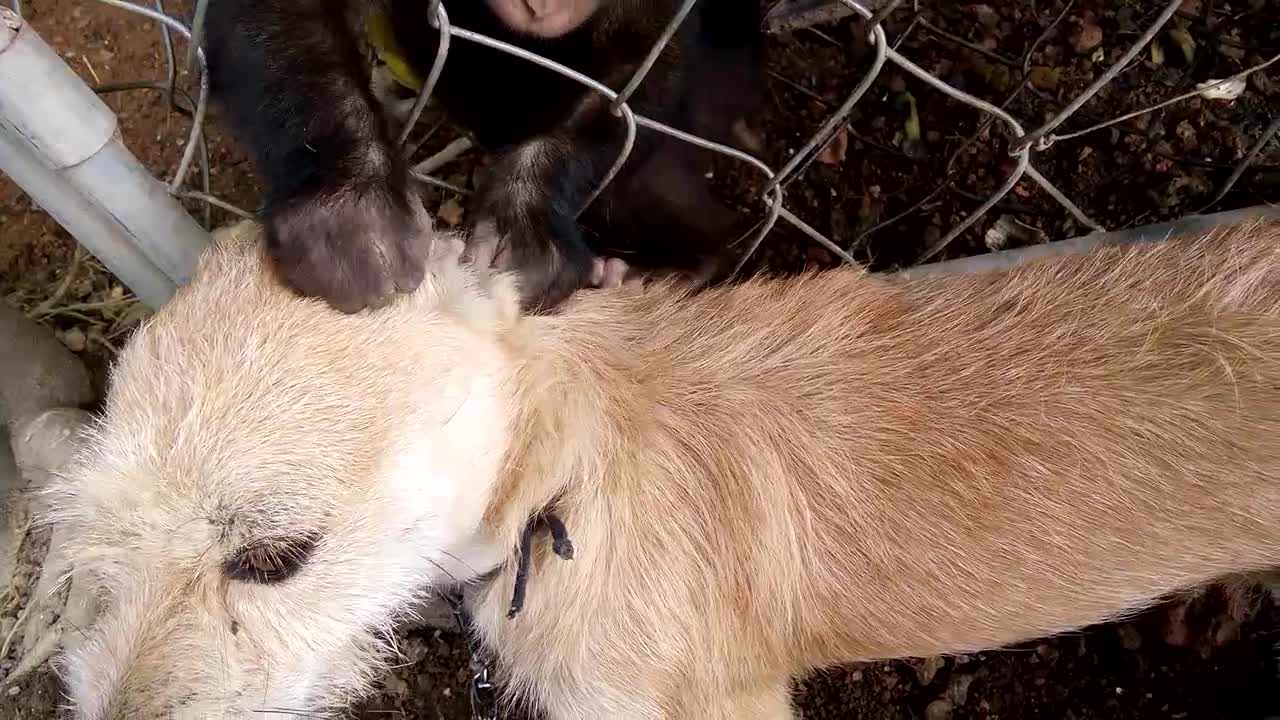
[{"x": 545, "y": 520}]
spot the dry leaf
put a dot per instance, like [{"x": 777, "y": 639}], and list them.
[
  {"x": 1222, "y": 90},
  {"x": 451, "y": 212},
  {"x": 833, "y": 153},
  {"x": 912, "y": 145},
  {"x": 1045, "y": 78}
]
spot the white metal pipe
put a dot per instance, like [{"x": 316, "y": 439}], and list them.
[
  {"x": 163, "y": 230},
  {"x": 50, "y": 118},
  {"x": 101, "y": 234},
  {"x": 46, "y": 101},
  {"x": 1007, "y": 259}
]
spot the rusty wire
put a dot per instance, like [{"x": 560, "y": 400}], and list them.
[{"x": 1022, "y": 144}]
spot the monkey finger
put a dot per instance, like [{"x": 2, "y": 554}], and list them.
[
  {"x": 609, "y": 272},
  {"x": 482, "y": 249},
  {"x": 616, "y": 271},
  {"x": 450, "y": 249}
]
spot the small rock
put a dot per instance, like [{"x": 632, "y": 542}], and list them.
[
  {"x": 15, "y": 690},
  {"x": 855, "y": 676},
  {"x": 939, "y": 709},
  {"x": 1130, "y": 638},
  {"x": 889, "y": 680},
  {"x": 1047, "y": 653},
  {"x": 1087, "y": 38},
  {"x": 928, "y": 668},
  {"x": 74, "y": 339},
  {"x": 38, "y": 371}
]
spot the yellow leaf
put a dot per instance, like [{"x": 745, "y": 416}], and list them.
[
  {"x": 385, "y": 46},
  {"x": 912, "y": 124},
  {"x": 1185, "y": 42}
]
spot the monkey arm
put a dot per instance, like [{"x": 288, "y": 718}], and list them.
[
  {"x": 342, "y": 221},
  {"x": 531, "y": 197},
  {"x": 290, "y": 83}
]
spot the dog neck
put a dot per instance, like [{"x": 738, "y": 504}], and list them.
[{"x": 570, "y": 384}]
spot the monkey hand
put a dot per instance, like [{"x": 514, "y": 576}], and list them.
[
  {"x": 354, "y": 248},
  {"x": 548, "y": 270}
]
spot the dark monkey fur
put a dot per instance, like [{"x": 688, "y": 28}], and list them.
[{"x": 343, "y": 221}]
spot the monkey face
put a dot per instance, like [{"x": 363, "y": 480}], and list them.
[{"x": 544, "y": 18}]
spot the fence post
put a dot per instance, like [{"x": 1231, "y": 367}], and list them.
[{"x": 59, "y": 142}]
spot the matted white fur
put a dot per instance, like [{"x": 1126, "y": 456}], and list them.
[{"x": 758, "y": 480}]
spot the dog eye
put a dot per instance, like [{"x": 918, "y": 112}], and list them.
[{"x": 269, "y": 561}]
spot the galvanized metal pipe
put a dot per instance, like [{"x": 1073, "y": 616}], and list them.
[
  {"x": 1007, "y": 259},
  {"x": 61, "y": 144}
]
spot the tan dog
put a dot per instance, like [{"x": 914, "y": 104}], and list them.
[{"x": 759, "y": 480}]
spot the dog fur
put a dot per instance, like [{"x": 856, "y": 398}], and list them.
[{"x": 758, "y": 479}]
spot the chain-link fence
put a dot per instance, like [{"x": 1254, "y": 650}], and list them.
[
  {"x": 65, "y": 151},
  {"x": 190, "y": 179}
]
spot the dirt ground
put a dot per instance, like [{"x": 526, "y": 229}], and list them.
[{"x": 901, "y": 173}]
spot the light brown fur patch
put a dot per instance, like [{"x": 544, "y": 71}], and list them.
[{"x": 758, "y": 479}]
